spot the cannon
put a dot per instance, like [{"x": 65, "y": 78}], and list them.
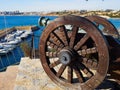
[{"x": 77, "y": 52}]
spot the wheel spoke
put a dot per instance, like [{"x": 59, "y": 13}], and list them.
[
  {"x": 89, "y": 63},
  {"x": 64, "y": 35},
  {"x": 70, "y": 74},
  {"x": 52, "y": 54},
  {"x": 78, "y": 74},
  {"x": 88, "y": 51},
  {"x": 61, "y": 70},
  {"x": 53, "y": 45},
  {"x": 52, "y": 65},
  {"x": 95, "y": 65},
  {"x": 81, "y": 42},
  {"x": 85, "y": 69},
  {"x": 54, "y": 38},
  {"x": 73, "y": 36}
]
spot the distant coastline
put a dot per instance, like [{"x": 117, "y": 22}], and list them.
[
  {"x": 23, "y": 15},
  {"x": 104, "y": 16},
  {"x": 108, "y": 12}
]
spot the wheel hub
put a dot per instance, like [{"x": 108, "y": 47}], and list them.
[{"x": 66, "y": 56}]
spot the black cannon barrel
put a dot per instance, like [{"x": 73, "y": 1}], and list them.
[{"x": 43, "y": 21}]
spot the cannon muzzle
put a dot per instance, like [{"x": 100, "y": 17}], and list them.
[{"x": 43, "y": 21}]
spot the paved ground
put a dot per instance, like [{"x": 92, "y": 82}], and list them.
[
  {"x": 32, "y": 76},
  {"x": 7, "y": 78},
  {"x": 29, "y": 75}
]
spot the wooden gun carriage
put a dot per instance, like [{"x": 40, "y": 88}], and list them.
[{"x": 77, "y": 53}]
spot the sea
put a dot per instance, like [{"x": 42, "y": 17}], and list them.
[{"x": 14, "y": 56}]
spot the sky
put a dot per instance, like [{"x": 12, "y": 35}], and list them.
[{"x": 58, "y": 5}]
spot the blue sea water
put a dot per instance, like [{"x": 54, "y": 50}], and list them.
[
  {"x": 12, "y": 21},
  {"x": 115, "y": 22}
]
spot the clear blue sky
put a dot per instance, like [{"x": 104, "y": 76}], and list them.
[{"x": 57, "y": 5}]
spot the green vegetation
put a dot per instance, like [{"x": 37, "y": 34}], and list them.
[
  {"x": 109, "y": 13},
  {"x": 26, "y": 49}
]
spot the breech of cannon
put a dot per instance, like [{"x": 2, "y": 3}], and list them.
[{"x": 43, "y": 21}]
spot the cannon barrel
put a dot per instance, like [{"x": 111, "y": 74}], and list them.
[{"x": 44, "y": 21}]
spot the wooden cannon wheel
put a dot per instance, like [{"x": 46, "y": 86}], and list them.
[
  {"x": 74, "y": 53},
  {"x": 104, "y": 25}
]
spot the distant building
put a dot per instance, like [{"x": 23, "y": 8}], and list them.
[
  {"x": 11, "y": 13},
  {"x": 109, "y": 10},
  {"x": 83, "y": 11}
]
